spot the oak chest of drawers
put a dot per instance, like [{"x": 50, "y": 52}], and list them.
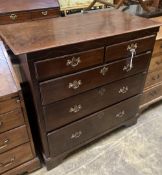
[
  {"x": 153, "y": 86},
  {"x": 17, "y": 153},
  {"x": 86, "y": 75},
  {"x": 27, "y": 10}
]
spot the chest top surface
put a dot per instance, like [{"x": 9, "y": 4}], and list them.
[
  {"x": 8, "y": 80},
  {"x": 7, "y": 6},
  {"x": 51, "y": 33}
]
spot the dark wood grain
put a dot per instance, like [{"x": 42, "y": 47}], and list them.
[
  {"x": 58, "y": 66},
  {"x": 51, "y": 33},
  {"x": 120, "y": 50},
  {"x": 57, "y": 89},
  {"x": 105, "y": 96},
  {"x": 85, "y": 129}
]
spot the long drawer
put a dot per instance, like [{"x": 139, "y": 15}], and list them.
[
  {"x": 81, "y": 131},
  {"x": 60, "y": 88},
  {"x": 13, "y": 138},
  {"x": 156, "y": 63},
  {"x": 9, "y": 105},
  {"x": 123, "y": 50},
  {"x": 11, "y": 120},
  {"x": 63, "y": 112},
  {"x": 69, "y": 63},
  {"x": 153, "y": 78},
  {"x": 15, "y": 157}
]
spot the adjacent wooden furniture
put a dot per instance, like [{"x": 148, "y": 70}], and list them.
[
  {"x": 141, "y": 2},
  {"x": 153, "y": 85},
  {"x": 17, "y": 153},
  {"x": 86, "y": 74},
  {"x": 26, "y": 10}
]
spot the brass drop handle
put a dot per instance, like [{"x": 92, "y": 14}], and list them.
[
  {"x": 4, "y": 165},
  {"x": 120, "y": 114},
  {"x": 45, "y": 13},
  {"x": 13, "y": 16},
  {"x": 127, "y": 68},
  {"x": 75, "y": 108},
  {"x": 104, "y": 70},
  {"x": 132, "y": 49},
  {"x": 5, "y": 144},
  {"x": 75, "y": 84},
  {"x": 76, "y": 135},
  {"x": 73, "y": 62},
  {"x": 123, "y": 90}
]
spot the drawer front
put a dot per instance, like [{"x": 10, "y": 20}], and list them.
[
  {"x": 9, "y": 105},
  {"x": 81, "y": 131},
  {"x": 11, "y": 120},
  {"x": 153, "y": 78},
  {"x": 63, "y": 112},
  {"x": 158, "y": 48},
  {"x": 15, "y": 17},
  {"x": 156, "y": 63},
  {"x": 13, "y": 138},
  {"x": 68, "y": 64},
  {"x": 151, "y": 94},
  {"x": 123, "y": 50},
  {"x": 15, "y": 157},
  {"x": 45, "y": 13},
  {"x": 67, "y": 86}
]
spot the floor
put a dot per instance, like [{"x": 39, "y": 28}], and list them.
[{"x": 136, "y": 150}]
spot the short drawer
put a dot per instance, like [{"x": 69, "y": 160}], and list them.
[
  {"x": 45, "y": 13},
  {"x": 156, "y": 63},
  {"x": 15, "y": 157},
  {"x": 153, "y": 78},
  {"x": 63, "y": 112},
  {"x": 14, "y": 17},
  {"x": 158, "y": 48},
  {"x": 13, "y": 138},
  {"x": 83, "y": 130},
  {"x": 151, "y": 94},
  {"x": 68, "y": 64},
  {"x": 122, "y": 50},
  {"x": 9, "y": 105},
  {"x": 11, "y": 120},
  {"x": 60, "y": 88}
]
